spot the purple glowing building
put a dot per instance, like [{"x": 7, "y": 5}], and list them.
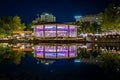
[
  {"x": 55, "y": 51},
  {"x": 55, "y": 30}
]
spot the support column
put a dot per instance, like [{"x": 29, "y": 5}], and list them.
[
  {"x": 43, "y": 31},
  {"x": 68, "y": 31},
  {"x": 76, "y": 31},
  {"x": 56, "y": 50},
  {"x": 68, "y": 51},
  {"x": 56, "y": 31},
  {"x": 43, "y": 51}
]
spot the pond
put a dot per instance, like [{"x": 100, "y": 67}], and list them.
[{"x": 46, "y": 61}]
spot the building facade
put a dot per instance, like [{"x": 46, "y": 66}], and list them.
[
  {"x": 46, "y": 17},
  {"x": 22, "y": 34},
  {"x": 90, "y": 18},
  {"x": 55, "y": 30},
  {"x": 55, "y": 51}
]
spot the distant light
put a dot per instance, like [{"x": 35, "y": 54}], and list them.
[
  {"x": 77, "y": 17},
  {"x": 77, "y": 60},
  {"x": 33, "y": 27},
  {"x": 46, "y": 14},
  {"x": 46, "y": 63},
  {"x": 83, "y": 46}
]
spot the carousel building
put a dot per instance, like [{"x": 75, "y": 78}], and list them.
[
  {"x": 55, "y": 30},
  {"x": 55, "y": 51}
]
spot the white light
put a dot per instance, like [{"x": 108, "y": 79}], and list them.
[
  {"x": 46, "y": 63},
  {"x": 46, "y": 14},
  {"x": 77, "y": 17},
  {"x": 77, "y": 61}
]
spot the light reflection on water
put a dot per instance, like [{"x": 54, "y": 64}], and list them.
[
  {"x": 86, "y": 53},
  {"x": 104, "y": 55}
]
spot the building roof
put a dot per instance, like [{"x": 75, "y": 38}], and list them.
[{"x": 65, "y": 23}]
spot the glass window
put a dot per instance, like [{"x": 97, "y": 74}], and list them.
[
  {"x": 62, "y": 31},
  {"x": 50, "y": 51},
  {"x": 38, "y": 31},
  {"x": 39, "y": 51},
  {"x": 72, "y": 31},
  {"x": 50, "y": 33},
  {"x": 62, "y": 51},
  {"x": 50, "y": 27},
  {"x": 50, "y": 30},
  {"x": 72, "y": 51}
]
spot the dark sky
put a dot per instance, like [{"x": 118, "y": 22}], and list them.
[{"x": 64, "y": 10}]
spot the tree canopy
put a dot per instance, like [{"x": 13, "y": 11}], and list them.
[
  {"x": 7, "y": 55},
  {"x": 9, "y": 23},
  {"x": 88, "y": 27},
  {"x": 111, "y": 18}
]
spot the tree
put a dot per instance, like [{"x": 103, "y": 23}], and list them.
[
  {"x": 78, "y": 23},
  {"x": 17, "y": 25},
  {"x": 9, "y": 23},
  {"x": 95, "y": 27},
  {"x": 111, "y": 63},
  {"x": 7, "y": 55},
  {"x": 29, "y": 26},
  {"x": 111, "y": 18},
  {"x": 86, "y": 27},
  {"x": 37, "y": 21}
]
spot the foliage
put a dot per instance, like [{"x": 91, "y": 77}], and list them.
[
  {"x": 88, "y": 27},
  {"x": 111, "y": 63},
  {"x": 29, "y": 26},
  {"x": 82, "y": 53},
  {"x": 37, "y": 21},
  {"x": 9, "y": 56},
  {"x": 9, "y": 23},
  {"x": 111, "y": 18}
]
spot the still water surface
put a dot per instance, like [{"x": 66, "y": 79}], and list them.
[{"x": 90, "y": 61}]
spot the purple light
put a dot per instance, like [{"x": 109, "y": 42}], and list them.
[
  {"x": 50, "y": 33},
  {"x": 55, "y": 51},
  {"x": 62, "y": 54},
  {"x": 39, "y": 34},
  {"x": 72, "y": 31},
  {"x": 72, "y": 51},
  {"x": 38, "y": 28},
  {"x": 62, "y": 51},
  {"x": 50, "y": 48},
  {"x": 62, "y": 33},
  {"x": 49, "y": 28},
  {"x": 50, "y": 55},
  {"x": 62, "y": 28},
  {"x": 39, "y": 51}
]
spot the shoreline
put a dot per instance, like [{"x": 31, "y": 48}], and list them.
[{"x": 55, "y": 41}]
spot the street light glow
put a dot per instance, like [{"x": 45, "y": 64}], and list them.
[{"x": 77, "y": 17}]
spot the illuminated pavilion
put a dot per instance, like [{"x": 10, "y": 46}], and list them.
[
  {"x": 55, "y": 51},
  {"x": 55, "y": 30}
]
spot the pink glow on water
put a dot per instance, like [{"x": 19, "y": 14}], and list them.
[{"x": 55, "y": 51}]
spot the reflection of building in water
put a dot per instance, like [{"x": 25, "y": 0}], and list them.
[
  {"x": 45, "y": 61},
  {"x": 91, "y": 60},
  {"x": 107, "y": 47},
  {"x": 55, "y": 52},
  {"x": 62, "y": 50},
  {"x": 5, "y": 44},
  {"x": 22, "y": 47},
  {"x": 55, "y": 30}
]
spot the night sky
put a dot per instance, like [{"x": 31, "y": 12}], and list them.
[{"x": 64, "y": 10}]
